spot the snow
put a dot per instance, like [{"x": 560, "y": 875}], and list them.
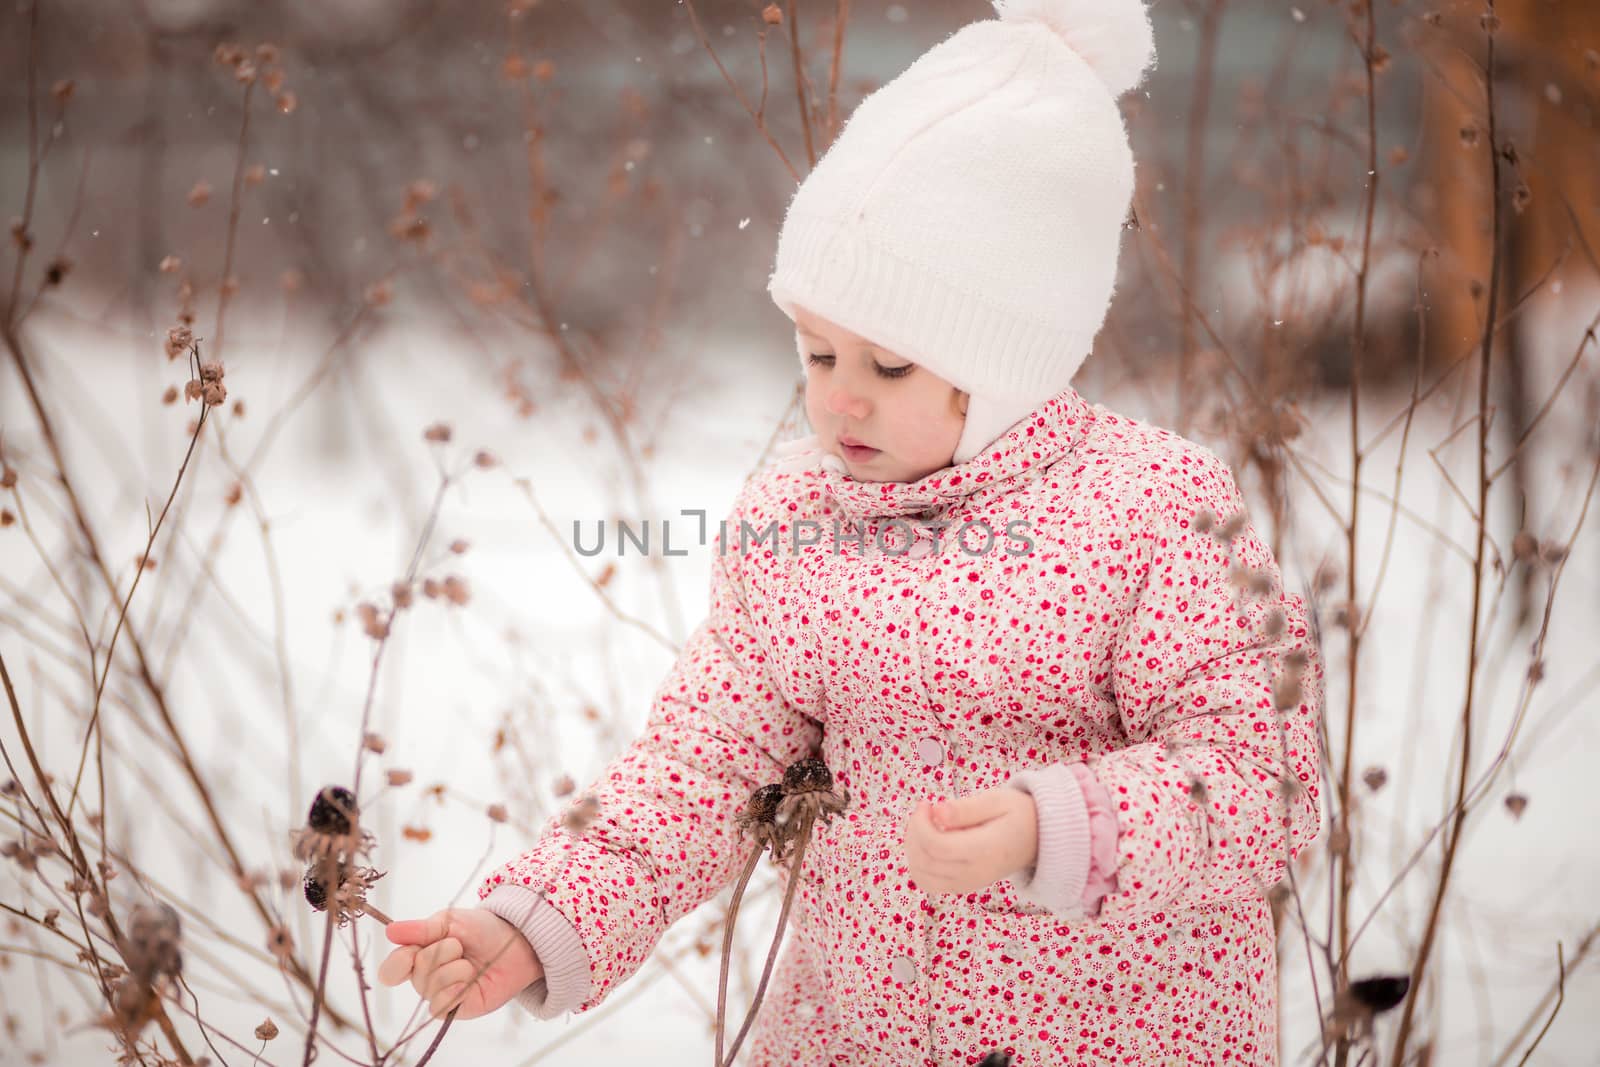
[{"x": 346, "y": 490}]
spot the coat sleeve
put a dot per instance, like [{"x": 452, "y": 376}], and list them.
[
  {"x": 1218, "y": 684},
  {"x": 664, "y": 840}
]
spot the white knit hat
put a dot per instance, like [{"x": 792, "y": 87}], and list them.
[{"x": 969, "y": 216}]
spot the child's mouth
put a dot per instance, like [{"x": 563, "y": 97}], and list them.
[{"x": 857, "y": 453}]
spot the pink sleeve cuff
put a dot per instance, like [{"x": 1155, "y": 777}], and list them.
[
  {"x": 566, "y": 982},
  {"x": 1076, "y": 865},
  {"x": 1102, "y": 878}
]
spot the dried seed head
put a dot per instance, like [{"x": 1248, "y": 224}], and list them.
[
  {"x": 170, "y": 264},
  {"x": 8, "y": 477},
  {"x": 332, "y": 828},
  {"x": 484, "y": 460},
  {"x": 316, "y": 892},
  {"x": 1338, "y": 838},
  {"x": 334, "y": 811},
  {"x": 400, "y": 592},
  {"x": 1378, "y": 995},
  {"x": 280, "y": 942},
  {"x": 1276, "y": 623},
  {"x": 809, "y": 775},
  {"x": 498, "y": 813},
  {"x": 1516, "y": 804},
  {"x": 374, "y": 743},
  {"x": 1375, "y": 778},
  {"x": 1231, "y": 528},
  {"x": 456, "y": 590},
  {"x": 399, "y": 777},
  {"x": 350, "y": 898},
  {"x": 199, "y": 193},
  {"x": 584, "y": 812},
  {"x": 564, "y": 786},
  {"x": 1204, "y": 521},
  {"x": 762, "y": 807},
  {"x": 152, "y": 942},
  {"x": 438, "y": 433},
  {"x": 287, "y": 102},
  {"x": 1524, "y": 546},
  {"x": 1536, "y": 671},
  {"x": 1286, "y": 691},
  {"x": 772, "y": 15},
  {"x": 267, "y": 1031}
]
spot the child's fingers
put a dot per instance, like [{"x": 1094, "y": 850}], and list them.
[
  {"x": 396, "y": 967},
  {"x": 435, "y": 956},
  {"x": 453, "y": 975},
  {"x": 439, "y": 1006},
  {"x": 419, "y": 931}
]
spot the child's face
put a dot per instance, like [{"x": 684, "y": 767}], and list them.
[{"x": 908, "y": 418}]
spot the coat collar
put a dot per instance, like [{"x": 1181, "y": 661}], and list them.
[{"x": 1055, "y": 428}]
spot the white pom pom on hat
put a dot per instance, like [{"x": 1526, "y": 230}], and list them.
[
  {"x": 969, "y": 216},
  {"x": 1113, "y": 36}
]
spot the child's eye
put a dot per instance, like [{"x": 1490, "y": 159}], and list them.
[{"x": 822, "y": 360}]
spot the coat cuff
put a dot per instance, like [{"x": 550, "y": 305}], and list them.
[
  {"x": 566, "y": 982},
  {"x": 1057, "y": 881}
]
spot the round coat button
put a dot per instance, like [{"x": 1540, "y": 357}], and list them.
[
  {"x": 931, "y": 751},
  {"x": 904, "y": 970},
  {"x": 921, "y": 549}
]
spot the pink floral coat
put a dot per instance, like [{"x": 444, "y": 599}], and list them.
[{"x": 1112, "y": 624}]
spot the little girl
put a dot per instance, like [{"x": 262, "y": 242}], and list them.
[{"x": 1040, "y": 644}]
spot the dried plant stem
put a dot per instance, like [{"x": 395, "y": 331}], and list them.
[
  {"x": 841, "y": 15},
  {"x": 321, "y": 988},
  {"x": 1341, "y": 867},
  {"x": 1193, "y": 191},
  {"x": 122, "y": 618},
  {"x": 761, "y": 123},
  {"x": 147, "y": 679},
  {"x": 224, "y": 287},
  {"x": 800, "y": 84},
  {"x": 1453, "y": 837},
  {"x": 438, "y": 1037},
  {"x": 807, "y": 817},
  {"x": 727, "y": 944},
  {"x": 12, "y": 320}
]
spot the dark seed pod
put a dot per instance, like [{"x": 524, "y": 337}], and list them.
[
  {"x": 809, "y": 775},
  {"x": 763, "y": 804},
  {"x": 997, "y": 1058},
  {"x": 316, "y": 892},
  {"x": 333, "y": 811},
  {"x": 1380, "y": 994}
]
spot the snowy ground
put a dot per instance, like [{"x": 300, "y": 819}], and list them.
[{"x": 536, "y": 643}]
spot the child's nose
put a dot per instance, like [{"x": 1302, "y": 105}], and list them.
[{"x": 848, "y": 402}]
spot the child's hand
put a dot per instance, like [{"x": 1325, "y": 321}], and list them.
[
  {"x": 968, "y": 844},
  {"x": 442, "y": 953}
]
